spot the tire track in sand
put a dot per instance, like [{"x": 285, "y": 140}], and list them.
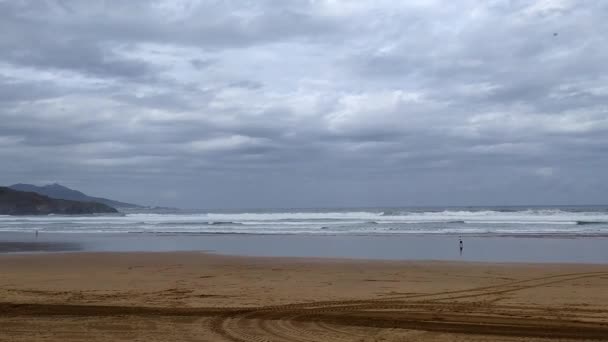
[
  {"x": 426, "y": 312},
  {"x": 446, "y": 311}
]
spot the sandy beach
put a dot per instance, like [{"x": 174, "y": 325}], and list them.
[{"x": 203, "y": 297}]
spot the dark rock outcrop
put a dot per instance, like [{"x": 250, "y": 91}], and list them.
[
  {"x": 61, "y": 192},
  {"x": 13, "y": 202}
]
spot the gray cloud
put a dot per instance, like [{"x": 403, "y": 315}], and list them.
[
  {"x": 13, "y": 91},
  {"x": 307, "y": 103}
]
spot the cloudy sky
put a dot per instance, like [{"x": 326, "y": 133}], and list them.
[{"x": 308, "y": 103}]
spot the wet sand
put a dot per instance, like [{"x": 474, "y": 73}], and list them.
[
  {"x": 25, "y": 246},
  {"x": 199, "y": 297}
]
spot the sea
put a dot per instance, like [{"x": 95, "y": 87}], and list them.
[
  {"x": 560, "y": 234},
  {"x": 572, "y": 220}
]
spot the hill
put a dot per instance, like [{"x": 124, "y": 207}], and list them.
[
  {"x": 13, "y": 202},
  {"x": 59, "y": 191}
]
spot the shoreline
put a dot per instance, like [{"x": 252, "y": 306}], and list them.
[{"x": 311, "y": 259}]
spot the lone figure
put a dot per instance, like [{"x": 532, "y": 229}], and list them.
[{"x": 461, "y": 245}]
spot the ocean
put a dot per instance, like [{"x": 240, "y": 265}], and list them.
[
  {"x": 513, "y": 221},
  {"x": 490, "y": 234}
]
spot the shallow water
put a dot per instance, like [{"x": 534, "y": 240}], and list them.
[{"x": 398, "y": 247}]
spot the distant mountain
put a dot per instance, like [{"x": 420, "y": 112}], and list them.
[
  {"x": 59, "y": 191},
  {"x": 13, "y": 202}
]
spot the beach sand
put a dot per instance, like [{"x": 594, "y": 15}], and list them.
[{"x": 202, "y": 297}]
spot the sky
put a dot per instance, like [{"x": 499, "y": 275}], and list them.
[{"x": 307, "y": 103}]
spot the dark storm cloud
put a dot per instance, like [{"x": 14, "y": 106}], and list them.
[{"x": 325, "y": 102}]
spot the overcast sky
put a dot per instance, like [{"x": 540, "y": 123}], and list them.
[{"x": 293, "y": 103}]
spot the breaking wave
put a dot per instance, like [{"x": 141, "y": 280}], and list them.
[{"x": 373, "y": 221}]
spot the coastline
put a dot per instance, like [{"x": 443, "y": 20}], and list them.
[{"x": 174, "y": 295}]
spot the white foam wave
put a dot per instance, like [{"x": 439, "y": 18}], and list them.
[{"x": 325, "y": 222}]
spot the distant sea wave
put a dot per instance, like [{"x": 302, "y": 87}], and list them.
[{"x": 480, "y": 220}]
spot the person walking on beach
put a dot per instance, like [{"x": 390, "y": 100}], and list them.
[{"x": 461, "y": 245}]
